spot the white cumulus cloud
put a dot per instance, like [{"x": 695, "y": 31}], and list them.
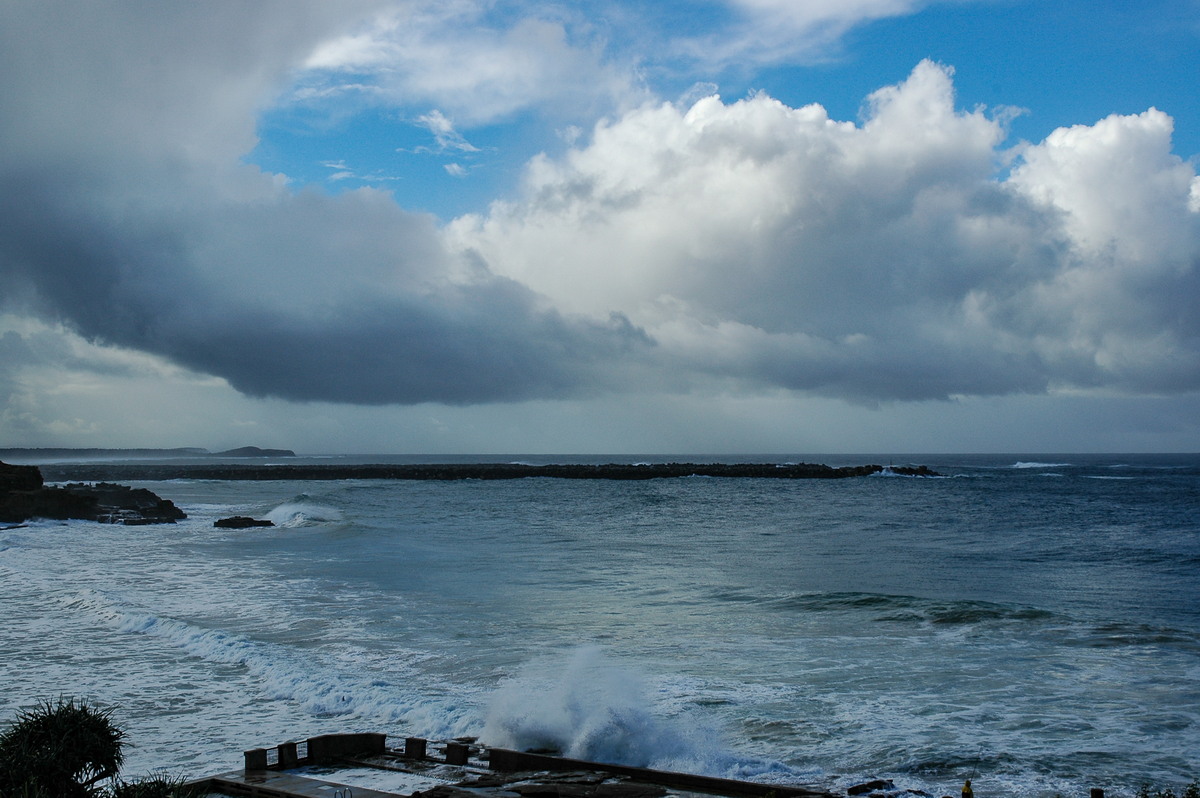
[{"x": 887, "y": 260}]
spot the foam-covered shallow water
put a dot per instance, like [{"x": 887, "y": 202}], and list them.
[{"x": 1025, "y": 620}]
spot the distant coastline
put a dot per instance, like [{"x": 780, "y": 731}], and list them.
[
  {"x": 40, "y": 455},
  {"x": 124, "y": 472}
]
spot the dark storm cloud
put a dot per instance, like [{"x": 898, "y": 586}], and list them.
[
  {"x": 307, "y": 297},
  {"x": 128, "y": 218}
]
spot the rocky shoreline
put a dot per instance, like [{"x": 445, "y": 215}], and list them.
[
  {"x": 456, "y": 471},
  {"x": 24, "y": 495}
]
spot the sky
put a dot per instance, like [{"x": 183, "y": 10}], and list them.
[{"x": 521, "y": 226}]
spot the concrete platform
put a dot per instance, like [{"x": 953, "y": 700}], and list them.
[
  {"x": 332, "y": 765},
  {"x": 276, "y": 784}
]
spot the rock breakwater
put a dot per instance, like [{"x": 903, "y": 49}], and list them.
[{"x": 454, "y": 471}]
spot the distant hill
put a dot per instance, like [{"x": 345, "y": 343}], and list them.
[
  {"x": 254, "y": 451},
  {"x": 49, "y": 454}
]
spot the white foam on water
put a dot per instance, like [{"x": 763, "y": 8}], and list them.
[
  {"x": 1036, "y": 464},
  {"x": 298, "y": 514},
  {"x": 323, "y": 684},
  {"x": 888, "y": 472}
]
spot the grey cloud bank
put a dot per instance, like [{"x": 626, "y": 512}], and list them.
[
  {"x": 304, "y": 297},
  {"x": 680, "y": 249}
]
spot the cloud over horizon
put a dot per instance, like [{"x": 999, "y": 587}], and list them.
[
  {"x": 751, "y": 245},
  {"x": 887, "y": 260}
]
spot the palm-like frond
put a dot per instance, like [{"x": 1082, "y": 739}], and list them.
[{"x": 62, "y": 747}]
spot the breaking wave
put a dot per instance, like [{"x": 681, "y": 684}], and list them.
[
  {"x": 284, "y": 673},
  {"x": 300, "y": 513},
  {"x": 888, "y": 471}
]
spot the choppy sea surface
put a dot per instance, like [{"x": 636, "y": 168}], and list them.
[{"x": 1031, "y": 621}]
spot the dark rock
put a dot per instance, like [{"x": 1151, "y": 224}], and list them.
[
  {"x": 241, "y": 522},
  {"x": 121, "y": 504},
  {"x": 588, "y": 786},
  {"x": 23, "y": 495},
  {"x": 869, "y": 786},
  {"x": 914, "y": 471},
  {"x": 445, "y": 791},
  {"x": 541, "y": 789},
  {"x": 487, "y": 781},
  {"x": 14, "y": 477},
  {"x": 629, "y": 789},
  {"x": 54, "y": 503},
  {"x": 578, "y": 777}
]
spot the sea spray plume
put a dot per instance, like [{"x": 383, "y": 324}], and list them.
[{"x": 593, "y": 709}]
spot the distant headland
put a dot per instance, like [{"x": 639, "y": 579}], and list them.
[{"x": 42, "y": 455}]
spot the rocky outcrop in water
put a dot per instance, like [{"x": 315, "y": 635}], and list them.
[
  {"x": 121, "y": 504},
  {"x": 24, "y": 495},
  {"x": 241, "y": 522},
  {"x": 19, "y": 478}
]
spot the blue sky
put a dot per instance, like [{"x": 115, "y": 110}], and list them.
[
  {"x": 521, "y": 225},
  {"x": 1057, "y": 63}
]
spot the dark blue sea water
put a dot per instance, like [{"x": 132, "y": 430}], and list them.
[{"x": 1033, "y": 621}]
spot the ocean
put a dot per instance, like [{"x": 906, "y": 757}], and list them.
[{"x": 1031, "y": 621}]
